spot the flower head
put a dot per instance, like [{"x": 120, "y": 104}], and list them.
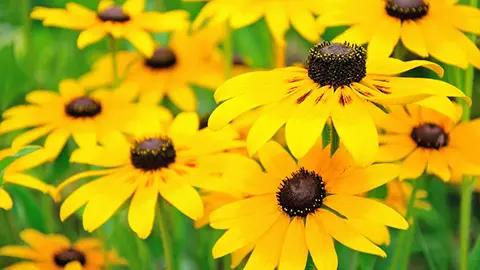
[
  {"x": 128, "y": 21},
  {"x": 278, "y": 16},
  {"x": 298, "y": 208},
  {"x": 187, "y": 60},
  {"x": 56, "y": 252},
  {"x": 339, "y": 84},
  {"x": 425, "y": 27},
  {"x": 166, "y": 163},
  {"x": 421, "y": 139},
  {"x": 86, "y": 117}
]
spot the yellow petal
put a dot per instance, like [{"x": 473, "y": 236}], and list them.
[
  {"x": 133, "y": 7},
  {"x": 141, "y": 40},
  {"x": 320, "y": 244},
  {"x": 392, "y": 66},
  {"x": 440, "y": 104},
  {"x": 413, "y": 39},
  {"x": 277, "y": 21},
  {"x": 55, "y": 142},
  {"x": 5, "y": 202},
  {"x": 90, "y": 35},
  {"x": 414, "y": 165},
  {"x": 142, "y": 207},
  {"x": 157, "y": 22},
  {"x": 184, "y": 98},
  {"x": 20, "y": 252},
  {"x": 70, "y": 89},
  {"x": 294, "y": 251},
  {"x": 394, "y": 152},
  {"x": 465, "y": 18},
  {"x": 368, "y": 209},
  {"x": 73, "y": 266},
  {"x": 304, "y": 22},
  {"x": 86, "y": 139},
  {"x": 246, "y": 16},
  {"x": 41, "y": 97},
  {"x": 358, "y": 34},
  {"x": 375, "y": 232},
  {"x": 343, "y": 232},
  {"x": 355, "y": 126},
  {"x": 385, "y": 37},
  {"x": 438, "y": 165},
  {"x": 181, "y": 195},
  {"x": 22, "y": 266},
  {"x": 240, "y": 254},
  {"x": 26, "y": 181},
  {"x": 267, "y": 251},
  {"x": 184, "y": 126},
  {"x": 276, "y": 160},
  {"x": 29, "y": 136}
]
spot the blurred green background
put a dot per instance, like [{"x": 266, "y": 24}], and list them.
[{"x": 36, "y": 57}]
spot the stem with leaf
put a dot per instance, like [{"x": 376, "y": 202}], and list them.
[
  {"x": 113, "y": 50},
  {"x": 166, "y": 241}
]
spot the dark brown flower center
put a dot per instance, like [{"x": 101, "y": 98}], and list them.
[
  {"x": 69, "y": 255},
  {"x": 429, "y": 136},
  {"x": 238, "y": 60},
  {"x": 406, "y": 9},
  {"x": 83, "y": 107},
  {"x": 337, "y": 64},
  {"x": 153, "y": 154},
  {"x": 113, "y": 14},
  {"x": 301, "y": 193},
  {"x": 162, "y": 58}
]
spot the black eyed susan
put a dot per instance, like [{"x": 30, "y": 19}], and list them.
[
  {"x": 128, "y": 21},
  {"x": 399, "y": 194},
  {"x": 340, "y": 84},
  {"x": 425, "y": 27},
  {"x": 288, "y": 212},
  {"x": 172, "y": 70},
  {"x": 279, "y": 15},
  {"x": 421, "y": 139},
  {"x": 169, "y": 163},
  {"x": 86, "y": 117},
  {"x": 56, "y": 252},
  {"x": 14, "y": 174}
]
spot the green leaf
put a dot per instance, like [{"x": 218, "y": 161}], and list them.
[
  {"x": 4, "y": 163},
  {"x": 474, "y": 259},
  {"x": 325, "y": 136},
  {"x": 334, "y": 140}
]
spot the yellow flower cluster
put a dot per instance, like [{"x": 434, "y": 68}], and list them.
[{"x": 279, "y": 206}]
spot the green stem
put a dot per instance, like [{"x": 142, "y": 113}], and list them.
[
  {"x": 466, "y": 189},
  {"x": 166, "y": 241},
  {"x": 27, "y": 24},
  {"x": 403, "y": 236},
  {"x": 228, "y": 51},
  {"x": 426, "y": 250},
  {"x": 113, "y": 50},
  {"x": 334, "y": 140}
]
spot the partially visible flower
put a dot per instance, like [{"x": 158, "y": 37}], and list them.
[
  {"x": 14, "y": 174},
  {"x": 422, "y": 139},
  {"x": 167, "y": 163},
  {"x": 128, "y": 21},
  {"x": 294, "y": 209},
  {"x": 56, "y": 252},
  {"x": 425, "y": 27},
  {"x": 279, "y": 15},
  {"x": 399, "y": 194},
  {"x": 172, "y": 70},
  {"x": 86, "y": 117},
  {"x": 339, "y": 84}
]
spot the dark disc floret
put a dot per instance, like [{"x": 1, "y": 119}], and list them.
[
  {"x": 153, "y": 153},
  {"x": 429, "y": 136},
  {"x": 337, "y": 64},
  {"x": 301, "y": 193},
  {"x": 113, "y": 14},
  {"x": 162, "y": 58},
  {"x": 69, "y": 255},
  {"x": 406, "y": 9},
  {"x": 83, "y": 107},
  {"x": 238, "y": 60}
]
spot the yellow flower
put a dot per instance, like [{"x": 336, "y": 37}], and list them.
[
  {"x": 14, "y": 174},
  {"x": 128, "y": 21},
  {"x": 422, "y": 138},
  {"x": 287, "y": 213},
  {"x": 56, "y": 252},
  {"x": 169, "y": 163},
  {"x": 278, "y": 16},
  {"x": 425, "y": 27},
  {"x": 187, "y": 60},
  {"x": 74, "y": 113},
  {"x": 399, "y": 194},
  {"x": 338, "y": 84}
]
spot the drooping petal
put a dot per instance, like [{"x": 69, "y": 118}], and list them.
[
  {"x": 414, "y": 165},
  {"x": 26, "y": 181},
  {"x": 141, "y": 40},
  {"x": 294, "y": 251},
  {"x": 90, "y": 35},
  {"x": 141, "y": 214},
  {"x": 184, "y": 98},
  {"x": 276, "y": 160},
  {"x": 438, "y": 164},
  {"x": 5, "y": 201},
  {"x": 320, "y": 244},
  {"x": 394, "y": 152},
  {"x": 412, "y": 38},
  {"x": 277, "y": 21},
  {"x": 385, "y": 37}
]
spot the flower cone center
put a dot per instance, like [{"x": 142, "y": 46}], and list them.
[
  {"x": 301, "y": 193},
  {"x": 337, "y": 64},
  {"x": 83, "y": 107},
  {"x": 430, "y": 136},
  {"x": 69, "y": 255},
  {"x": 406, "y": 9},
  {"x": 162, "y": 58},
  {"x": 152, "y": 154},
  {"x": 113, "y": 14}
]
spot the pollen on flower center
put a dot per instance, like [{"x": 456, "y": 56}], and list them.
[
  {"x": 406, "y": 9},
  {"x": 152, "y": 153},
  {"x": 162, "y": 58},
  {"x": 337, "y": 64},
  {"x": 301, "y": 193},
  {"x": 114, "y": 14},
  {"x": 83, "y": 107},
  {"x": 429, "y": 136},
  {"x": 69, "y": 255}
]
